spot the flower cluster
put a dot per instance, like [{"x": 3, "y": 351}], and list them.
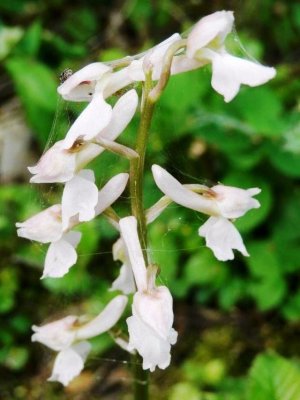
[{"x": 150, "y": 327}]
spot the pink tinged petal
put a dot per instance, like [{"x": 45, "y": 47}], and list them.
[
  {"x": 56, "y": 335},
  {"x": 90, "y": 122},
  {"x": 214, "y": 27},
  {"x": 122, "y": 114},
  {"x": 154, "y": 350},
  {"x": 69, "y": 363},
  {"x": 55, "y": 165},
  {"x": 78, "y": 86},
  {"x": 43, "y": 227},
  {"x": 180, "y": 194},
  {"x": 105, "y": 320},
  {"x": 111, "y": 192},
  {"x": 80, "y": 197},
  {"x": 129, "y": 234},
  {"x": 234, "y": 202},
  {"x": 222, "y": 237},
  {"x": 125, "y": 281},
  {"x": 229, "y": 72},
  {"x": 61, "y": 255}
]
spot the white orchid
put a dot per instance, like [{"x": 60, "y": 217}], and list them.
[
  {"x": 205, "y": 44},
  {"x": 81, "y": 201},
  {"x": 221, "y": 202},
  {"x": 69, "y": 337},
  {"x": 150, "y": 326}
]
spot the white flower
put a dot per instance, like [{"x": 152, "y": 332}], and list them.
[
  {"x": 60, "y": 165},
  {"x": 68, "y": 337},
  {"x": 81, "y": 202},
  {"x": 205, "y": 44},
  {"x": 99, "y": 120},
  {"x": 125, "y": 280},
  {"x": 150, "y": 326},
  {"x": 220, "y": 202}
]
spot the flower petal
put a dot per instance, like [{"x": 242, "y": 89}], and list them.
[
  {"x": 229, "y": 72},
  {"x": 61, "y": 255},
  {"x": 95, "y": 117},
  {"x": 180, "y": 194},
  {"x": 111, "y": 192},
  {"x": 69, "y": 363},
  {"x": 125, "y": 281},
  {"x": 105, "y": 320},
  {"x": 222, "y": 237},
  {"x": 55, "y": 165},
  {"x": 56, "y": 335},
  {"x": 79, "y": 85},
  {"x": 129, "y": 234},
  {"x": 80, "y": 197},
  {"x": 122, "y": 114},
  {"x": 214, "y": 27},
  {"x": 43, "y": 227}
]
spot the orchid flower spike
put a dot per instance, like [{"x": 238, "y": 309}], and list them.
[
  {"x": 205, "y": 44},
  {"x": 81, "y": 201},
  {"x": 221, "y": 202},
  {"x": 69, "y": 337},
  {"x": 150, "y": 326}
]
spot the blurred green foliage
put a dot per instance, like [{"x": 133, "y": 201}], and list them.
[{"x": 253, "y": 141}]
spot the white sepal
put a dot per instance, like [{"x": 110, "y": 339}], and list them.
[{"x": 110, "y": 192}]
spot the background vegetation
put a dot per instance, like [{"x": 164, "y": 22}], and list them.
[{"x": 238, "y": 321}]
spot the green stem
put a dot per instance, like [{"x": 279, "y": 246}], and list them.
[
  {"x": 137, "y": 167},
  {"x": 141, "y": 377}
]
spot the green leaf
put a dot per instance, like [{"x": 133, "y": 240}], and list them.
[
  {"x": 268, "y": 293},
  {"x": 35, "y": 84},
  {"x": 273, "y": 378},
  {"x": 30, "y": 43},
  {"x": 263, "y": 262},
  {"x": 285, "y": 161}
]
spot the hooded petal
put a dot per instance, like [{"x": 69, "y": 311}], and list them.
[
  {"x": 222, "y": 237},
  {"x": 111, "y": 192},
  {"x": 80, "y": 85},
  {"x": 125, "y": 280},
  {"x": 80, "y": 197},
  {"x": 55, "y": 165},
  {"x": 69, "y": 363},
  {"x": 105, "y": 320},
  {"x": 56, "y": 335},
  {"x": 180, "y": 194},
  {"x": 234, "y": 202},
  {"x": 61, "y": 255},
  {"x": 129, "y": 234},
  {"x": 95, "y": 117},
  {"x": 43, "y": 227},
  {"x": 212, "y": 28},
  {"x": 229, "y": 72},
  {"x": 118, "y": 80},
  {"x": 122, "y": 114}
]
